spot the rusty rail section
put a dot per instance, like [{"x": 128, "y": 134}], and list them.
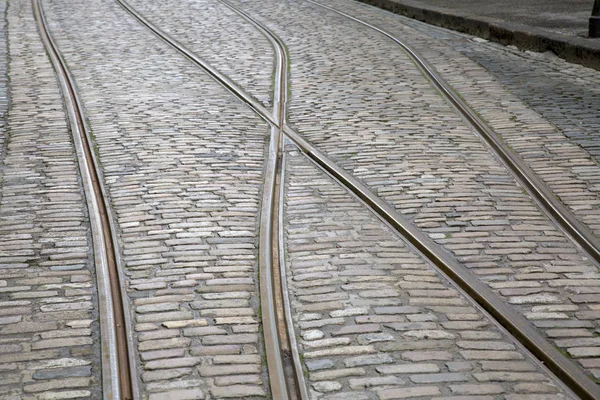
[
  {"x": 516, "y": 324},
  {"x": 521, "y": 329},
  {"x": 117, "y": 378}
]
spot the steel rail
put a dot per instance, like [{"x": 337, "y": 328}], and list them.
[
  {"x": 286, "y": 301},
  {"x": 275, "y": 367},
  {"x": 289, "y": 358},
  {"x": 117, "y": 382},
  {"x": 535, "y": 187},
  {"x": 296, "y": 384},
  {"x": 271, "y": 289},
  {"x": 516, "y": 324}
]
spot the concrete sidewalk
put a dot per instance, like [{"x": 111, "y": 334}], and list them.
[{"x": 538, "y": 25}]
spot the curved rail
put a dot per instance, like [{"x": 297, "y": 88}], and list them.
[
  {"x": 290, "y": 361},
  {"x": 515, "y": 323},
  {"x": 117, "y": 382},
  {"x": 536, "y": 188},
  {"x": 277, "y": 337},
  {"x": 296, "y": 384}
]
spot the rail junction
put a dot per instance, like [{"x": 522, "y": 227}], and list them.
[{"x": 313, "y": 199}]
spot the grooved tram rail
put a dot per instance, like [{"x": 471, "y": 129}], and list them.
[
  {"x": 117, "y": 377},
  {"x": 516, "y": 324},
  {"x": 277, "y": 339}
]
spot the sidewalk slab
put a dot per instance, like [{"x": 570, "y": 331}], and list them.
[{"x": 560, "y": 27}]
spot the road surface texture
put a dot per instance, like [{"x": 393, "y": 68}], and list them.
[{"x": 186, "y": 167}]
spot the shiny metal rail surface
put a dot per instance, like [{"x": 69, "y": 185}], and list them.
[
  {"x": 266, "y": 265},
  {"x": 117, "y": 377},
  {"x": 515, "y": 323},
  {"x": 288, "y": 357},
  {"x": 276, "y": 336},
  {"x": 296, "y": 385},
  {"x": 535, "y": 187},
  {"x": 301, "y": 383}
]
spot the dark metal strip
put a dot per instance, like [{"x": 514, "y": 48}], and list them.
[{"x": 296, "y": 384}]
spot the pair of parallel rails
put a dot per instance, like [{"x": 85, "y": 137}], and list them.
[{"x": 283, "y": 362}]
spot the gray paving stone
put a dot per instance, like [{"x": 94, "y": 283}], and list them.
[
  {"x": 353, "y": 351},
  {"x": 182, "y": 161},
  {"x": 183, "y": 394},
  {"x": 45, "y": 245}
]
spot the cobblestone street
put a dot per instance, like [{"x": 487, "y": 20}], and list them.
[{"x": 291, "y": 204}]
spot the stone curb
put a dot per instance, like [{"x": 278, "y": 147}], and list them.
[{"x": 572, "y": 49}]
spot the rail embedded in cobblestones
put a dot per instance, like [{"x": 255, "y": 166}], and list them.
[
  {"x": 535, "y": 187},
  {"x": 290, "y": 379},
  {"x": 215, "y": 74},
  {"x": 285, "y": 375},
  {"x": 515, "y": 323},
  {"x": 117, "y": 379},
  {"x": 277, "y": 337},
  {"x": 295, "y": 384}
]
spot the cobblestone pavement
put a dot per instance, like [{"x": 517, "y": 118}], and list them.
[
  {"x": 183, "y": 163},
  {"x": 3, "y": 79},
  {"x": 375, "y": 320},
  {"x": 556, "y": 135},
  {"x": 359, "y": 99},
  {"x": 214, "y": 32},
  {"x": 49, "y": 345}
]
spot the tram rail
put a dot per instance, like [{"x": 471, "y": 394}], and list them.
[
  {"x": 523, "y": 331},
  {"x": 270, "y": 237},
  {"x": 118, "y": 381}
]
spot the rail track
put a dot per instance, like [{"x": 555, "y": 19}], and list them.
[
  {"x": 536, "y": 188},
  {"x": 285, "y": 373},
  {"x": 515, "y": 323},
  {"x": 118, "y": 380}
]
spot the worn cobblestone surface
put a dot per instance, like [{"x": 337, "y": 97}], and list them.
[
  {"x": 49, "y": 346},
  {"x": 358, "y": 98},
  {"x": 3, "y": 78},
  {"x": 221, "y": 37},
  {"x": 183, "y": 164},
  {"x": 374, "y": 320},
  {"x": 567, "y": 96},
  {"x": 548, "y": 115}
]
